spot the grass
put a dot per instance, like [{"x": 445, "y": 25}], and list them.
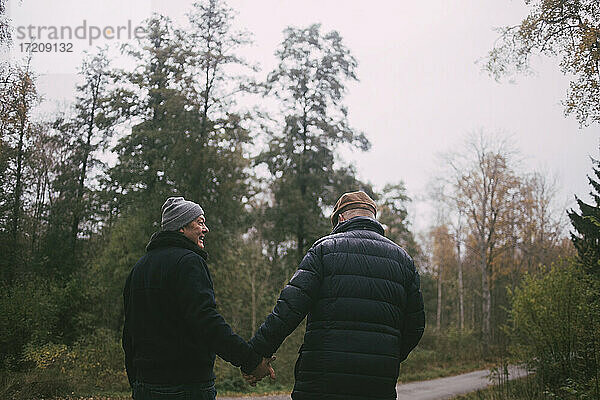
[
  {"x": 518, "y": 389},
  {"x": 266, "y": 387},
  {"x": 529, "y": 388},
  {"x": 263, "y": 388},
  {"x": 97, "y": 396}
]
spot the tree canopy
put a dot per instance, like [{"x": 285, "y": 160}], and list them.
[{"x": 567, "y": 29}]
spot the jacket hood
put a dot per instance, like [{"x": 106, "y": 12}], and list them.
[
  {"x": 359, "y": 223},
  {"x": 162, "y": 239}
]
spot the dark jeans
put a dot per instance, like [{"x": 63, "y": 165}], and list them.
[{"x": 194, "y": 391}]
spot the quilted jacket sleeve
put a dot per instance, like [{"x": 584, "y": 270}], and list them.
[
  {"x": 414, "y": 325},
  {"x": 295, "y": 300}
]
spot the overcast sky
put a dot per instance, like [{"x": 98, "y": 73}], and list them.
[{"x": 420, "y": 90}]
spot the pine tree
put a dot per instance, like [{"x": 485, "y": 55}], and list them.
[
  {"x": 310, "y": 82},
  {"x": 393, "y": 214},
  {"x": 586, "y": 224},
  {"x": 185, "y": 140}
]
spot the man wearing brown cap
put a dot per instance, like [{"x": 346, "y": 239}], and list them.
[
  {"x": 172, "y": 329},
  {"x": 362, "y": 295}
]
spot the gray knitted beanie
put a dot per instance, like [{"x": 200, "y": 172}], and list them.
[{"x": 178, "y": 212}]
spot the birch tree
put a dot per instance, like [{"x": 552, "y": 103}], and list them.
[{"x": 484, "y": 185}]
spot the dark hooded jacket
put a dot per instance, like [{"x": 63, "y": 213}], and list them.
[
  {"x": 365, "y": 314},
  {"x": 172, "y": 329}
]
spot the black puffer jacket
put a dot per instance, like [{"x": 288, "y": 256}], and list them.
[
  {"x": 365, "y": 314},
  {"x": 172, "y": 328}
]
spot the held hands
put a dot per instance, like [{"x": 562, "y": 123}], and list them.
[{"x": 263, "y": 369}]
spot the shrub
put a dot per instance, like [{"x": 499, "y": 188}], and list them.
[
  {"x": 28, "y": 313},
  {"x": 35, "y": 311},
  {"x": 93, "y": 362},
  {"x": 98, "y": 361},
  {"x": 34, "y": 384},
  {"x": 555, "y": 326},
  {"x": 46, "y": 377}
]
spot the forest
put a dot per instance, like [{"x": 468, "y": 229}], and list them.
[{"x": 508, "y": 277}]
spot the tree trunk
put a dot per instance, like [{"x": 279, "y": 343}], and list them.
[
  {"x": 461, "y": 300},
  {"x": 40, "y": 197},
  {"x": 208, "y": 84},
  {"x": 253, "y": 302},
  {"x": 301, "y": 235},
  {"x": 473, "y": 310},
  {"x": 82, "y": 175},
  {"x": 22, "y": 110},
  {"x": 438, "y": 321},
  {"x": 486, "y": 303},
  {"x": 18, "y": 189}
]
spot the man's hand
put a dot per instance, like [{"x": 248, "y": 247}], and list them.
[{"x": 263, "y": 369}]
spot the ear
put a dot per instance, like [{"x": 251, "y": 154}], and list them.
[
  {"x": 181, "y": 230},
  {"x": 341, "y": 218}
]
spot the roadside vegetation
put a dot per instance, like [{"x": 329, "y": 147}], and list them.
[
  {"x": 555, "y": 331},
  {"x": 518, "y": 389}
]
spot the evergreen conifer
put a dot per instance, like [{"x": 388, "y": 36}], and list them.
[{"x": 586, "y": 224}]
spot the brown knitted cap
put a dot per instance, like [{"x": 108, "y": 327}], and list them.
[{"x": 352, "y": 200}]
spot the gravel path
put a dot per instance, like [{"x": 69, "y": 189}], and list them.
[{"x": 435, "y": 389}]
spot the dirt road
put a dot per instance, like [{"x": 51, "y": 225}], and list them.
[{"x": 435, "y": 389}]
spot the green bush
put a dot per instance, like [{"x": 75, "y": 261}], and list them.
[
  {"x": 49, "y": 356},
  {"x": 46, "y": 375},
  {"x": 34, "y": 384},
  {"x": 92, "y": 363},
  {"x": 98, "y": 361},
  {"x": 452, "y": 345},
  {"x": 29, "y": 313},
  {"x": 555, "y": 326},
  {"x": 35, "y": 310},
  {"x": 442, "y": 354}
]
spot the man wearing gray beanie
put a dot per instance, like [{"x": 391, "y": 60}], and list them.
[
  {"x": 178, "y": 215},
  {"x": 172, "y": 329}
]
